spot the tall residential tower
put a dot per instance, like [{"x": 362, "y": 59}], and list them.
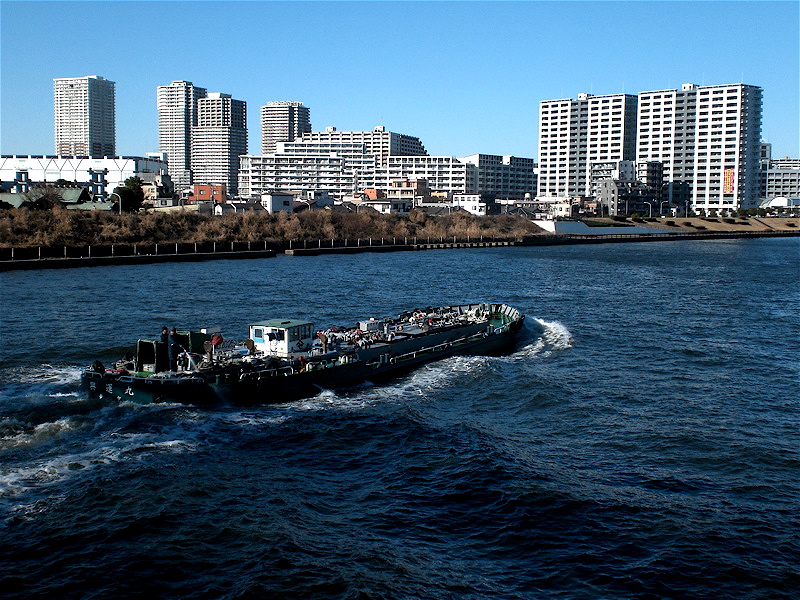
[
  {"x": 283, "y": 122},
  {"x": 85, "y": 121},
  {"x": 218, "y": 140},
  {"x": 708, "y": 139},
  {"x": 573, "y": 134},
  {"x": 177, "y": 115}
]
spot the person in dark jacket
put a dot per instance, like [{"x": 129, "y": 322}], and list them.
[
  {"x": 173, "y": 348},
  {"x": 164, "y": 335}
]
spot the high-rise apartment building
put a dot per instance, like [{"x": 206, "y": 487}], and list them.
[
  {"x": 177, "y": 115},
  {"x": 283, "y": 122},
  {"x": 380, "y": 143},
  {"x": 708, "y": 139},
  {"x": 574, "y": 133},
  {"x": 85, "y": 120},
  {"x": 218, "y": 140}
]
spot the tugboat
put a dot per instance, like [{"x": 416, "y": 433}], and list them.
[{"x": 283, "y": 360}]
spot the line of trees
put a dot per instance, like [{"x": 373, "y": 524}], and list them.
[{"x": 24, "y": 227}]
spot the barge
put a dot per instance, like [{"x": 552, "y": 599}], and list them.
[{"x": 287, "y": 359}]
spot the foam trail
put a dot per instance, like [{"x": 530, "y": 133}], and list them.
[
  {"x": 45, "y": 374},
  {"x": 556, "y": 334},
  {"x": 554, "y": 337}
]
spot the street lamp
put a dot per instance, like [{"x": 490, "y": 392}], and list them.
[
  {"x": 120, "y": 201},
  {"x": 661, "y": 206},
  {"x": 650, "y": 206}
]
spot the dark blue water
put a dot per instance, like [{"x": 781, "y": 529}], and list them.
[{"x": 642, "y": 442}]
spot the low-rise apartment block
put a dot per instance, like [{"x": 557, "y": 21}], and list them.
[
  {"x": 446, "y": 175},
  {"x": 378, "y": 142},
  {"x": 504, "y": 176}
]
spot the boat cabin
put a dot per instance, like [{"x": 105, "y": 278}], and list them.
[
  {"x": 152, "y": 356},
  {"x": 283, "y": 338}
]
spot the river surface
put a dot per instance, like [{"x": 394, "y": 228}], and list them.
[{"x": 642, "y": 441}]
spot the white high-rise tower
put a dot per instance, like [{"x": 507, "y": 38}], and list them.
[
  {"x": 573, "y": 134},
  {"x": 177, "y": 115},
  {"x": 85, "y": 120},
  {"x": 283, "y": 122},
  {"x": 218, "y": 140},
  {"x": 708, "y": 139}
]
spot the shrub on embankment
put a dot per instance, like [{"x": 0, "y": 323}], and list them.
[{"x": 23, "y": 227}]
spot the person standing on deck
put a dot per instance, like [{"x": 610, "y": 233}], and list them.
[
  {"x": 216, "y": 342},
  {"x": 173, "y": 348}
]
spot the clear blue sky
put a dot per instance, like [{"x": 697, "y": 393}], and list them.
[{"x": 465, "y": 77}]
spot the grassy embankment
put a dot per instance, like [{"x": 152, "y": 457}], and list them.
[{"x": 26, "y": 228}]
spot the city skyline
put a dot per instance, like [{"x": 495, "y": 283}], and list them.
[{"x": 466, "y": 80}]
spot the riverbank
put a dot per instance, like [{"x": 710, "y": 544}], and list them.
[
  {"x": 21, "y": 228},
  {"x": 84, "y": 256}
]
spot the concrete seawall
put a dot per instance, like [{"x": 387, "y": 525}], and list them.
[
  {"x": 140, "y": 259},
  {"x": 399, "y": 247},
  {"x": 537, "y": 240},
  {"x": 650, "y": 237},
  {"x": 549, "y": 240}
]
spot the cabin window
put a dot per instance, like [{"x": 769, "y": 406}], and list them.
[
  {"x": 258, "y": 333},
  {"x": 299, "y": 333}
]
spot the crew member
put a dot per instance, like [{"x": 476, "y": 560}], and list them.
[
  {"x": 216, "y": 342},
  {"x": 173, "y": 348},
  {"x": 324, "y": 340}
]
